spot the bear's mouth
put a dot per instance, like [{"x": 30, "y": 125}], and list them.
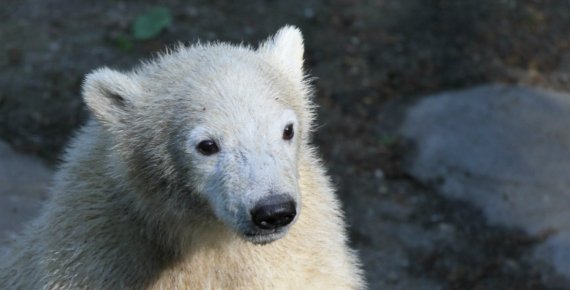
[{"x": 263, "y": 238}]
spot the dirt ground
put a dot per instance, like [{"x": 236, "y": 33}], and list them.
[{"x": 372, "y": 58}]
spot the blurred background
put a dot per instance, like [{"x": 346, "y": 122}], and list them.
[{"x": 376, "y": 63}]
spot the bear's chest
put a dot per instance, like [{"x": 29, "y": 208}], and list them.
[{"x": 244, "y": 267}]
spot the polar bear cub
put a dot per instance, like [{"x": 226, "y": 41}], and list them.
[{"x": 196, "y": 172}]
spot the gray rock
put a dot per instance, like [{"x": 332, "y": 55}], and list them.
[
  {"x": 505, "y": 149},
  {"x": 24, "y": 182}
]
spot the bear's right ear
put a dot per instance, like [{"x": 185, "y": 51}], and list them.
[{"x": 110, "y": 94}]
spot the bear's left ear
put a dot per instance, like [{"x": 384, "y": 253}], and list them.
[
  {"x": 287, "y": 48},
  {"x": 110, "y": 95}
]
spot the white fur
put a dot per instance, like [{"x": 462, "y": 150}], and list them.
[
  {"x": 286, "y": 48},
  {"x": 135, "y": 205}
]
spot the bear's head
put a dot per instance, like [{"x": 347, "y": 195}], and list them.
[{"x": 211, "y": 131}]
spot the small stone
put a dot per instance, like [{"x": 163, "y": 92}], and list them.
[
  {"x": 379, "y": 174},
  {"x": 309, "y": 13},
  {"x": 392, "y": 278}
]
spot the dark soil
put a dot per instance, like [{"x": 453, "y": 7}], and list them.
[{"x": 372, "y": 58}]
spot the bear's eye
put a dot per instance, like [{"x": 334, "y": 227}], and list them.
[
  {"x": 288, "y": 132},
  {"x": 208, "y": 147}
]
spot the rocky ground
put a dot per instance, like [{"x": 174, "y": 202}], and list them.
[{"x": 373, "y": 60}]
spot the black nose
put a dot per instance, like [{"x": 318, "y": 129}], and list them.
[{"x": 273, "y": 212}]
